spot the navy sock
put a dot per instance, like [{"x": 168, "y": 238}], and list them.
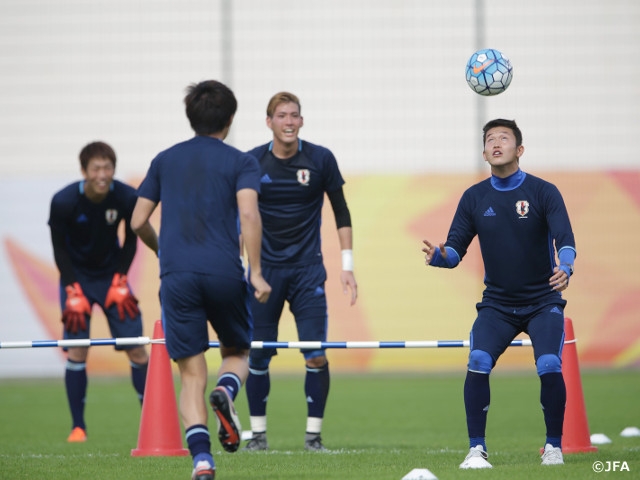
[
  {"x": 75, "y": 380},
  {"x": 139, "y": 378},
  {"x": 316, "y": 388},
  {"x": 553, "y": 398},
  {"x": 258, "y": 387},
  {"x": 477, "y": 396},
  {"x": 231, "y": 382},
  {"x": 199, "y": 443}
]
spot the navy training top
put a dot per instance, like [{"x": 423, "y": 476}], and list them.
[
  {"x": 291, "y": 199},
  {"x": 85, "y": 234},
  {"x": 196, "y": 182},
  {"x": 519, "y": 220}
]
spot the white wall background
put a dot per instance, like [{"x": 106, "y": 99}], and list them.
[{"x": 381, "y": 83}]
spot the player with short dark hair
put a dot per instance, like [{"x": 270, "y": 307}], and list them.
[
  {"x": 522, "y": 224},
  {"x": 84, "y": 221},
  {"x": 295, "y": 175},
  {"x": 205, "y": 188}
]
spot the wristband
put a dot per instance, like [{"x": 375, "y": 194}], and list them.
[
  {"x": 347, "y": 260},
  {"x": 566, "y": 268},
  {"x": 452, "y": 260}
]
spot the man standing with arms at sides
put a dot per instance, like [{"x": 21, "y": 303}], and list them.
[
  {"x": 205, "y": 187},
  {"x": 522, "y": 223},
  {"x": 295, "y": 175},
  {"x": 84, "y": 221}
]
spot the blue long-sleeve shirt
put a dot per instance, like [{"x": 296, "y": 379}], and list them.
[
  {"x": 85, "y": 234},
  {"x": 521, "y": 221}
]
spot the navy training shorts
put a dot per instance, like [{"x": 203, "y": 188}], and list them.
[
  {"x": 497, "y": 325},
  {"x": 189, "y": 299},
  {"x": 303, "y": 288}
]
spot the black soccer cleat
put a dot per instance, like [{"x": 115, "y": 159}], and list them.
[{"x": 229, "y": 429}]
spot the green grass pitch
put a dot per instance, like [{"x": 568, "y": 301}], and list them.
[{"x": 376, "y": 427}]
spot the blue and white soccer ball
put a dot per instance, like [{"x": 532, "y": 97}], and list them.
[{"x": 489, "y": 72}]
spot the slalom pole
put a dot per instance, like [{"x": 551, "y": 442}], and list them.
[
  {"x": 92, "y": 342},
  {"x": 86, "y": 342}
]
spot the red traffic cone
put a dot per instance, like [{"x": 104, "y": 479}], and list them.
[
  {"x": 575, "y": 436},
  {"x": 159, "y": 433}
]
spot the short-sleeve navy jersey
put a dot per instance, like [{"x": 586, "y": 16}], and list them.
[
  {"x": 91, "y": 229},
  {"x": 196, "y": 182},
  {"x": 291, "y": 199},
  {"x": 517, "y": 229}
]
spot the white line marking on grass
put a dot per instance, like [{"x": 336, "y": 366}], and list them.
[{"x": 59, "y": 455}]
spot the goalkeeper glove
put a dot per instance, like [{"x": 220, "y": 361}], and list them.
[
  {"x": 120, "y": 294},
  {"x": 75, "y": 309}
]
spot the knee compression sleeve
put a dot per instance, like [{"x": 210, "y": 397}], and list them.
[
  {"x": 548, "y": 363},
  {"x": 309, "y": 354},
  {"x": 480, "y": 362}
]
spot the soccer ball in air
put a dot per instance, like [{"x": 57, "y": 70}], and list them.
[{"x": 489, "y": 72}]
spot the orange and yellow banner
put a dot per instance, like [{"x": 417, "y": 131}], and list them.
[{"x": 399, "y": 297}]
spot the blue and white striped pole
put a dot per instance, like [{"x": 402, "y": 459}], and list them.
[{"x": 128, "y": 341}]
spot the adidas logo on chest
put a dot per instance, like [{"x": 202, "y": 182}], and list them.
[{"x": 489, "y": 212}]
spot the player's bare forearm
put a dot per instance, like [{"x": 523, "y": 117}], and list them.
[
  {"x": 148, "y": 236},
  {"x": 140, "y": 223},
  {"x": 251, "y": 237},
  {"x": 251, "y": 227}
]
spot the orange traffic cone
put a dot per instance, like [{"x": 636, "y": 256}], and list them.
[
  {"x": 159, "y": 433},
  {"x": 575, "y": 436}
]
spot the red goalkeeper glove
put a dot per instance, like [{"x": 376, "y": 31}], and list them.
[
  {"x": 75, "y": 309},
  {"x": 120, "y": 294}
]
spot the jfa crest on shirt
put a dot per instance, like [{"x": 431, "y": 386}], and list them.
[
  {"x": 522, "y": 208},
  {"x": 303, "y": 176},
  {"x": 111, "y": 215}
]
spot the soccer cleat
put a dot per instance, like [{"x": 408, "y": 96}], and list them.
[
  {"x": 229, "y": 430},
  {"x": 203, "y": 471},
  {"x": 257, "y": 443},
  {"x": 476, "y": 458},
  {"x": 552, "y": 455},
  {"x": 77, "y": 435},
  {"x": 313, "y": 443}
]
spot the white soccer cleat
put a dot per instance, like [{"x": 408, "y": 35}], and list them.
[
  {"x": 476, "y": 458},
  {"x": 552, "y": 455}
]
